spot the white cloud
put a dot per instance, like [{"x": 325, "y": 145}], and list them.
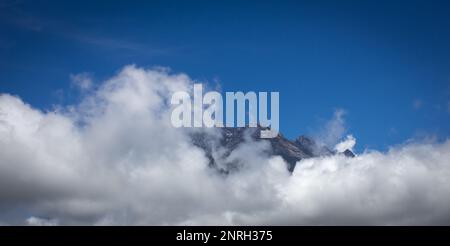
[
  {"x": 116, "y": 159},
  {"x": 83, "y": 81},
  {"x": 348, "y": 143},
  {"x": 334, "y": 129}
]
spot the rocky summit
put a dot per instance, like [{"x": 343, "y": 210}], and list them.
[{"x": 220, "y": 144}]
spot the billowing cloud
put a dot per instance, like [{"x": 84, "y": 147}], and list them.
[
  {"x": 348, "y": 143},
  {"x": 114, "y": 158}
]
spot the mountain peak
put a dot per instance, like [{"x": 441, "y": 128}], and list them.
[{"x": 231, "y": 138}]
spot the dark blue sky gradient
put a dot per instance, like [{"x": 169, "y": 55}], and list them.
[{"x": 375, "y": 59}]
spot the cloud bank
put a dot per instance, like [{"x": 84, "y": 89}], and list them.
[{"x": 115, "y": 159}]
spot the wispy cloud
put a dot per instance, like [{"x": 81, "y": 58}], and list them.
[
  {"x": 417, "y": 104},
  {"x": 115, "y": 43},
  {"x": 334, "y": 129},
  {"x": 18, "y": 17},
  {"x": 82, "y": 81}
]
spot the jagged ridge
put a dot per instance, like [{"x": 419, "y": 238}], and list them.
[{"x": 232, "y": 137}]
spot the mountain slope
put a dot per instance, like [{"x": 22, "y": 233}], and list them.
[{"x": 218, "y": 147}]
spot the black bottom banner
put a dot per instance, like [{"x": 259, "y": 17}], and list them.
[{"x": 208, "y": 235}]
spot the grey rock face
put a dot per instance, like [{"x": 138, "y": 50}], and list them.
[
  {"x": 231, "y": 138},
  {"x": 348, "y": 153}
]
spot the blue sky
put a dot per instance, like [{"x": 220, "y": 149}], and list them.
[{"x": 387, "y": 63}]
